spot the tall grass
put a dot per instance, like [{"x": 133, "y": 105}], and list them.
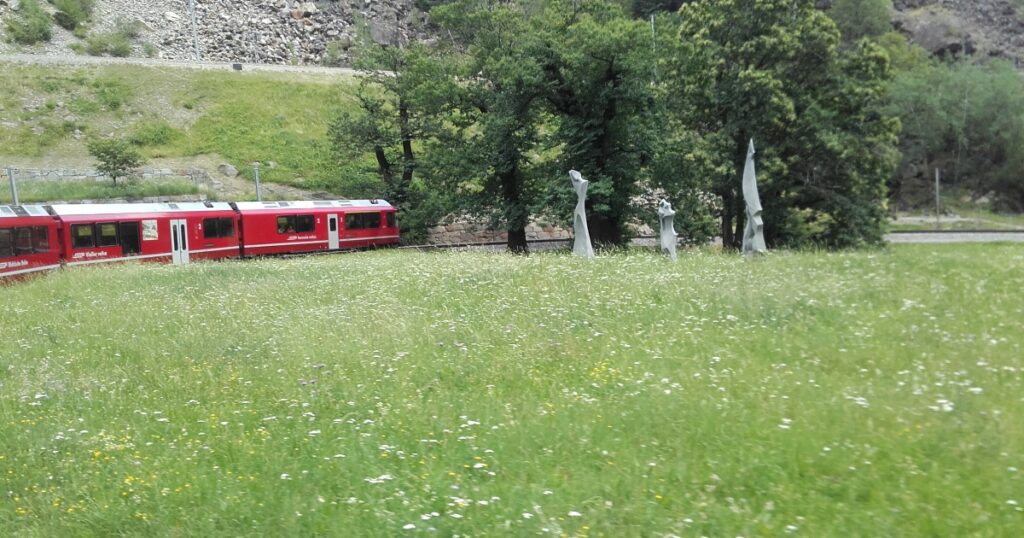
[{"x": 398, "y": 393}]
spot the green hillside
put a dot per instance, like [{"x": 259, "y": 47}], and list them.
[{"x": 170, "y": 113}]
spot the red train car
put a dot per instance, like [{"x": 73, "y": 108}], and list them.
[
  {"x": 287, "y": 227},
  {"x": 28, "y": 241},
  {"x": 167, "y": 232}
]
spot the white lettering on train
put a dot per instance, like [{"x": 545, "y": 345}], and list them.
[{"x": 80, "y": 255}]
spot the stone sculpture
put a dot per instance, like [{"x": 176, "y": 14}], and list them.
[
  {"x": 581, "y": 245},
  {"x": 753, "y": 234},
  {"x": 668, "y": 230}
]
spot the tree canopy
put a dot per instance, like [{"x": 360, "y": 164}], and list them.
[{"x": 492, "y": 117}]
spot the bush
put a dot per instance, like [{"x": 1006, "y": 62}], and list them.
[
  {"x": 32, "y": 25},
  {"x": 71, "y": 14},
  {"x": 153, "y": 133},
  {"x": 129, "y": 28},
  {"x": 113, "y": 44}
]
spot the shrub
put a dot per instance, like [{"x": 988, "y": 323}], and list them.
[
  {"x": 129, "y": 28},
  {"x": 113, "y": 44},
  {"x": 153, "y": 133},
  {"x": 116, "y": 157},
  {"x": 32, "y": 25},
  {"x": 72, "y": 14}
]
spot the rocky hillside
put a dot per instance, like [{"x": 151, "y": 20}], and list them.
[
  {"x": 984, "y": 28},
  {"x": 296, "y": 32},
  {"x": 250, "y": 31}
]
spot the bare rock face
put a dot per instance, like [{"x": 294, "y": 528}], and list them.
[
  {"x": 979, "y": 28},
  {"x": 263, "y": 31},
  {"x": 937, "y": 31}
]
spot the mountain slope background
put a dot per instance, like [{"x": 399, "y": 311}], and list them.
[
  {"x": 322, "y": 32},
  {"x": 185, "y": 118}
]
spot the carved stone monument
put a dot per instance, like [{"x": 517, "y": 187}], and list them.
[
  {"x": 753, "y": 234},
  {"x": 668, "y": 230},
  {"x": 581, "y": 245}
]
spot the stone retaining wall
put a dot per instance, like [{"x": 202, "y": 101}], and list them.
[
  {"x": 197, "y": 176},
  {"x": 475, "y": 232}
]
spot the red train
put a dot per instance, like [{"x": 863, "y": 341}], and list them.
[{"x": 36, "y": 238}]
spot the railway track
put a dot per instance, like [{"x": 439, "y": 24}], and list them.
[{"x": 955, "y": 236}]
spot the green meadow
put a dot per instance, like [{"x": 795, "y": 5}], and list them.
[{"x": 398, "y": 393}]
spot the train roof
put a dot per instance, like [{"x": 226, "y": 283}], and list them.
[
  {"x": 13, "y": 211},
  {"x": 68, "y": 210},
  {"x": 315, "y": 204}
]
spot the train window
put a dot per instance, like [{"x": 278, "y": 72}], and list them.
[
  {"x": 391, "y": 220},
  {"x": 226, "y": 227},
  {"x": 22, "y": 241},
  {"x": 295, "y": 224},
  {"x": 362, "y": 221},
  {"x": 41, "y": 239},
  {"x": 285, "y": 225},
  {"x": 6, "y": 242},
  {"x": 82, "y": 236},
  {"x": 304, "y": 223},
  {"x": 210, "y": 228},
  {"x": 107, "y": 234}
]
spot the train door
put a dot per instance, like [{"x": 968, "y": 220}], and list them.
[
  {"x": 179, "y": 242},
  {"x": 332, "y": 232}
]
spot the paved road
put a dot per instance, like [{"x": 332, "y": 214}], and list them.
[
  {"x": 39, "y": 59},
  {"x": 955, "y": 237}
]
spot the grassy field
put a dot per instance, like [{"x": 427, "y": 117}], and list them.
[
  {"x": 399, "y": 393},
  {"x": 240, "y": 117}
]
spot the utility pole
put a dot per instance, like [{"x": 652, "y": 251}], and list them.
[
  {"x": 14, "y": 187},
  {"x": 654, "y": 48},
  {"x": 195, "y": 32},
  {"x": 256, "y": 174},
  {"x": 938, "y": 203}
]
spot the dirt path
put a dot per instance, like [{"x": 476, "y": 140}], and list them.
[{"x": 39, "y": 59}]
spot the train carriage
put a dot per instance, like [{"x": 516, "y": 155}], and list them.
[
  {"x": 28, "y": 241},
  {"x": 310, "y": 226},
  {"x": 165, "y": 232}
]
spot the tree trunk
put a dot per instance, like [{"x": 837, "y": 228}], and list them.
[
  {"x": 383, "y": 165},
  {"x": 516, "y": 212},
  {"x": 728, "y": 237},
  {"x": 517, "y": 241}
]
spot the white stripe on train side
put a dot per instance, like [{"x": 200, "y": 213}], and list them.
[{"x": 31, "y": 270}]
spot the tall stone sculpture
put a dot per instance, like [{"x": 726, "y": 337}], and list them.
[
  {"x": 668, "y": 230},
  {"x": 581, "y": 245},
  {"x": 753, "y": 234}
]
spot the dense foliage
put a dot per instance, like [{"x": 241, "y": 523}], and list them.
[
  {"x": 858, "y": 19},
  {"x": 964, "y": 119},
  {"x": 523, "y": 92},
  {"x": 773, "y": 72}
]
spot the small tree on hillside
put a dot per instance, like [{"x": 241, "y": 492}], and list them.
[{"x": 117, "y": 157}]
